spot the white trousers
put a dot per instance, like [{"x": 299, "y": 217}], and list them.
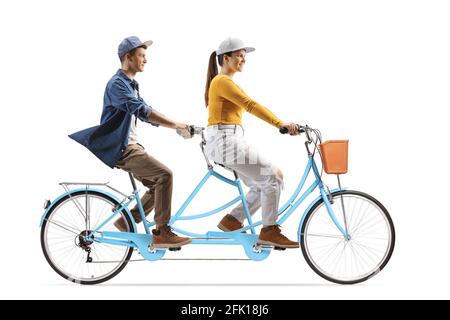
[{"x": 225, "y": 144}]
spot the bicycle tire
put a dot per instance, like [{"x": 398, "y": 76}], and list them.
[
  {"x": 356, "y": 246},
  {"x": 49, "y": 256}
]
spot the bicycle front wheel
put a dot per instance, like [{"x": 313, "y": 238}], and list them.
[
  {"x": 65, "y": 242},
  {"x": 364, "y": 253}
]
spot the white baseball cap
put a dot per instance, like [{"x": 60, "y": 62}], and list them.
[{"x": 231, "y": 45}]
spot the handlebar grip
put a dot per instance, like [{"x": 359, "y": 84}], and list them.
[
  {"x": 284, "y": 130},
  {"x": 195, "y": 130}
]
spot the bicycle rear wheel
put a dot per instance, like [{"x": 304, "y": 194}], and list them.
[
  {"x": 64, "y": 242},
  {"x": 353, "y": 260}
]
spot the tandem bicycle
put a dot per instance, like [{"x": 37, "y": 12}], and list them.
[{"x": 345, "y": 236}]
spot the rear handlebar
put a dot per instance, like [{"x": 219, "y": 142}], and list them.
[{"x": 196, "y": 130}]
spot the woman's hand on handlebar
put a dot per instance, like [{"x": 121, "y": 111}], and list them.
[{"x": 291, "y": 127}]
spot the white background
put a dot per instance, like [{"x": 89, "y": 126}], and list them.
[{"x": 376, "y": 72}]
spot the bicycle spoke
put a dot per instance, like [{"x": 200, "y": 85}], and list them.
[
  {"x": 327, "y": 253},
  {"x": 338, "y": 258},
  {"x": 366, "y": 207},
  {"x": 325, "y": 235},
  {"x": 363, "y": 229},
  {"x": 67, "y": 228},
  {"x": 369, "y": 248}
]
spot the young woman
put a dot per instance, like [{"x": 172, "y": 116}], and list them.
[{"x": 226, "y": 102}]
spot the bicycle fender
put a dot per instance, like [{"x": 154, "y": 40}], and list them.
[{"x": 83, "y": 189}]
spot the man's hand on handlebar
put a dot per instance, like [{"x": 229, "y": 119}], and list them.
[
  {"x": 188, "y": 131},
  {"x": 184, "y": 130},
  {"x": 291, "y": 127}
]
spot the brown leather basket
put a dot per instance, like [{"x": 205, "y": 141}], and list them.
[{"x": 335, "y": 156}]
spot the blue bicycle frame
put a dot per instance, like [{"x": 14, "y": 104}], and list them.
[
  {"x": 284, "y": 212},
  {"x": 248, "y": 241}
]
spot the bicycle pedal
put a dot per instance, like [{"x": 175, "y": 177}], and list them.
[
  {"x": 175, "y": 249},
  {"x": 279, "y": 248}
]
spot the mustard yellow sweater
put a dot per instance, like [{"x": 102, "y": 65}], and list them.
[{"x": 227, "y": 102}]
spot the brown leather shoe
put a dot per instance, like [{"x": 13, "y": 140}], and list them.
[
  {"x": 165, "y": 238},
  {"x": 229, "y": 223},
  {"x": 272, "y": 236}
]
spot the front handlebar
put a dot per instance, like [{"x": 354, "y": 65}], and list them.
[{"x": 302, "y": 129}]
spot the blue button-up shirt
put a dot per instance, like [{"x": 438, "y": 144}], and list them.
[{"x": 109, "y": 139}]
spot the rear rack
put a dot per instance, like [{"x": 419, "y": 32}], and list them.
[{"x": 88, "y": 184}]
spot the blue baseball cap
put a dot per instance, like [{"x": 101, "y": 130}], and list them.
[{"x": 131, "y": 43}]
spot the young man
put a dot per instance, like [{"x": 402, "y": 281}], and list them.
[{"x": 115, "y": 141}]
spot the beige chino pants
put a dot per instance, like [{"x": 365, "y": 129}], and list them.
[{"x": 155, "y": 176}]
